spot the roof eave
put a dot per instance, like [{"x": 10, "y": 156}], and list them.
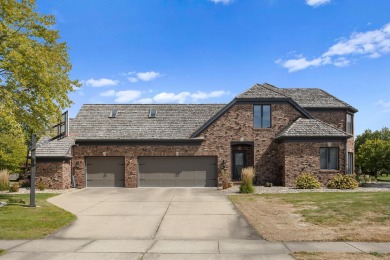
[
  {"x": 189, "y": 140},
  {"x": 312, "y": 137},
  {"x": 352, "y": 109}
]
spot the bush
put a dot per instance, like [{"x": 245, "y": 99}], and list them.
[
  {"x": 4, "y": 180},
  {"x": 247, "y": 180},
  {"x": 14, "y": 187},
  {"x": 343, "y": 182},
  {"x": 307, "y": 180},
  {"x": 24, "y": 183},
  {"x": 41, "y": 186}
]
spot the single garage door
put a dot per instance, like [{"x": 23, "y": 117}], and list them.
[
  {"x": 105, "y": 172},
  {"x": 177, "y": 171}
]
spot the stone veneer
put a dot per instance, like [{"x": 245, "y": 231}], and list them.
[{"x": 55, "y": 173}]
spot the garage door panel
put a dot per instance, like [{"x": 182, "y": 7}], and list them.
[
  {"x": 105, "y": 172},
  {"x": 95, "y": 183},
  {"x": 177, "y": 171}
]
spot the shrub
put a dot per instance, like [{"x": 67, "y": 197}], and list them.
[
  {"x": 4, "y": 180},
  {"x": 307, "y": 180},
  {"x": 41, "y": 186},
  {"x": 343, "y": 182},
  {"x": 14, "y": 187},
  {"x": 24, "y": 183},
  {"x": 247, "y": 180}
]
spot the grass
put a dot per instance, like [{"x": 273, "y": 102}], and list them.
[
  {"x": 318, "y": 216},
  {"x": 18, "y": 221},
  {"x": 341, "y": 208},
  {"x": 4, "y": 180},
  {"x": 331, "y": 256},
  {"x": 383, "y": 178},
  {"x": 2, "y": 251}
]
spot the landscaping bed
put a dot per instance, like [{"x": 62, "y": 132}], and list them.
[
  {"x": 318, "y": 216},
  {"x": 18, "y": 221}
]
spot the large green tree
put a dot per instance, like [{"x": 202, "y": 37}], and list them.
[
  {"x": 34, "y": 66},
  {"x": 372, "y": 150},
  {"x": 34, "y": 70},
  {"x": 374, "y": 156},
  {"x": 383, "y": 134}
]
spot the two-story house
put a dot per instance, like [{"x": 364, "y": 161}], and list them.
[{"x": 280, "y": 132}]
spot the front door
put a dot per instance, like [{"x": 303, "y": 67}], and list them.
[{"x": 238, "y": 164}]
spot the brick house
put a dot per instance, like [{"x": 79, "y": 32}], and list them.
[{"x": 280, "y": 132}]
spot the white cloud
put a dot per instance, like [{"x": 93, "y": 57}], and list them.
[
  {"x": 341, "y": 62},
  {"x": 97, "y": 83},
  {"x": 145, "y": 101},
  {"x": 108, "y": 93},
  {"x": 301, "y": 63},
  {"x": 385, "y": 106},
  {"x": 225, "y": 2},
  {"x": 187, "y": 97},
  {"x": 132, "y": 79},
  {"x": 147, "y": 76},
  {"x": 126, "y": 96},
  {"x": 205, "y": 95},
  {"x": 165, "y": 97},
  {"x": 316, "y": 3},
  {"x": 371, "y": 44}
]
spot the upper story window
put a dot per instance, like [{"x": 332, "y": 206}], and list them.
[
  {"x": 329, "y": 158},
  {"x": 349, "y": 124},
  {"x": 261, "y": 116}
]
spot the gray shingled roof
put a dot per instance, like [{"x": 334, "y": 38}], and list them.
[
  {"x": 314, "y": 98},
  {"x": 173, "y": 121},
  {"x": 261, "y": 91},
  {"x": 311, "y": 128},
  {"x": 55, "y": 148},
  {"x": 305, "y": 97}
]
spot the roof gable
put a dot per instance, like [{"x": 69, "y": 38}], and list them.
[{"x": 261, "y": 91}]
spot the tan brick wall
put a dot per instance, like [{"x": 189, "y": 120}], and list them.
[
  {"x": 55, "y": 173},
  {"x": 305, "y": 157}
]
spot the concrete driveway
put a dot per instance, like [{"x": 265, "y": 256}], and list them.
[{"x": 152, "y": 213}]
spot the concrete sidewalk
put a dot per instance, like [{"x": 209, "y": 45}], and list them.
[{"x": 174, "y": 249}]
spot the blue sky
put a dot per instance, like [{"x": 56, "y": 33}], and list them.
[{"x": 208, "y": 51}]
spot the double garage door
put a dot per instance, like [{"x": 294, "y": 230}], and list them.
[{"x": 154, "y": 171}]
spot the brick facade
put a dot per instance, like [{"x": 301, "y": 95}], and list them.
[
  {"x": 233, "y": 127},
  {"x": 304, "y": 156},
  {"x": 54, "y": 173},
  {"x": 278, "y": 162}
]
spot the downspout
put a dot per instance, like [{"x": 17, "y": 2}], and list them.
[
  {"x": 72, "y": 181},
  {"x": 346, "y": 158}
]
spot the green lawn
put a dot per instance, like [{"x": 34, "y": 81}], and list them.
[
  {"x": 18, "y": 221},
  {"x": 383, "y": 178},
  {"x": 338, "y": 208}
]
